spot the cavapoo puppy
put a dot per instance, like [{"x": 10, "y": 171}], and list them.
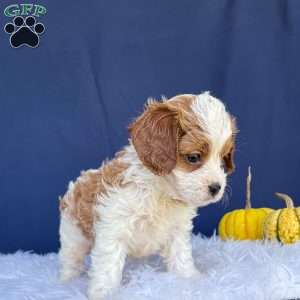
[{"x": 143, "y": 201}]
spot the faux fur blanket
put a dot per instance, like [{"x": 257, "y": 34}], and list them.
[{"x": 232, "y": 270}]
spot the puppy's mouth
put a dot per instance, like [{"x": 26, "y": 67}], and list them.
[
  {"x": 200, "y": 202},
  {"x": 209, "y": 200}
]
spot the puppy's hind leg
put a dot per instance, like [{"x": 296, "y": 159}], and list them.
[{"x": 74, "y": 247}]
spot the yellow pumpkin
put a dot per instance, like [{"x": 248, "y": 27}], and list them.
[
  {"x": 283, "y": 224},
  {"x": 244, "y": 224}
]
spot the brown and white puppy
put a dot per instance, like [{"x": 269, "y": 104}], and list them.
[{"x": 143, "y": 201}]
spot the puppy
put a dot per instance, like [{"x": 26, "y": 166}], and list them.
[{"x": 143, "y": 201}]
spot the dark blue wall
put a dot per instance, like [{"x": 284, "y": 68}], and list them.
[{"x": 65, "y": 105}]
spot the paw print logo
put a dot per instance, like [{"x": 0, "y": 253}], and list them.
[{"x": 24, "y": 31}]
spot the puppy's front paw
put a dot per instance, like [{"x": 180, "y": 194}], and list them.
[
  {"x": 94, "y": 295},
  {"x": 67, "y": 274},
  {"x": 98, "y": 293},
  {"x": 195, "y": 274},
  {"x": 191, "y": 273}
]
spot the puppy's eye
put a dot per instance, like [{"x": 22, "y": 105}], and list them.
[{"x": 193, "y": 158}]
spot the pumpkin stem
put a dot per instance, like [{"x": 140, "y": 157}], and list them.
[
  {"x": 288, "y": 200},
  {"x": 248, "y": 189}
]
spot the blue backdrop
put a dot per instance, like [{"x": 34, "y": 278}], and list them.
[{"x": 65, "y": 105}]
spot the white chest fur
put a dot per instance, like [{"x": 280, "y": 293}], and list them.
[{"x": 147, "y": 219}]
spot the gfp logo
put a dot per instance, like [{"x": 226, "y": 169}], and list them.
[{"x": 24, "y": 30}]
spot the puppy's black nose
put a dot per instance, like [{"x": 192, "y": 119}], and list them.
[{"x": 214, "y": 188}]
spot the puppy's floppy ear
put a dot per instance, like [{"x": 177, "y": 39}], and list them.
[
  {"x": 228, "y": 160},
  {"x": 154, "y": 135}
]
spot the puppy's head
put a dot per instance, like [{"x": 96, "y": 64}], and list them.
[{"x": 189, "y": 142}]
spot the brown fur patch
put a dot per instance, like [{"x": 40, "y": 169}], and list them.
[
  {"x": 227, "y": 152},
  {"x": 80, "y": 200},
  {"x": 154, "y": 135},
  {"x": 185, "y": 116},
  {"x": 194, "y": 141}
]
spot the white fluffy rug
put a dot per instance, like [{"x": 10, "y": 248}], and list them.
[{"x": 233, "y": 270}]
